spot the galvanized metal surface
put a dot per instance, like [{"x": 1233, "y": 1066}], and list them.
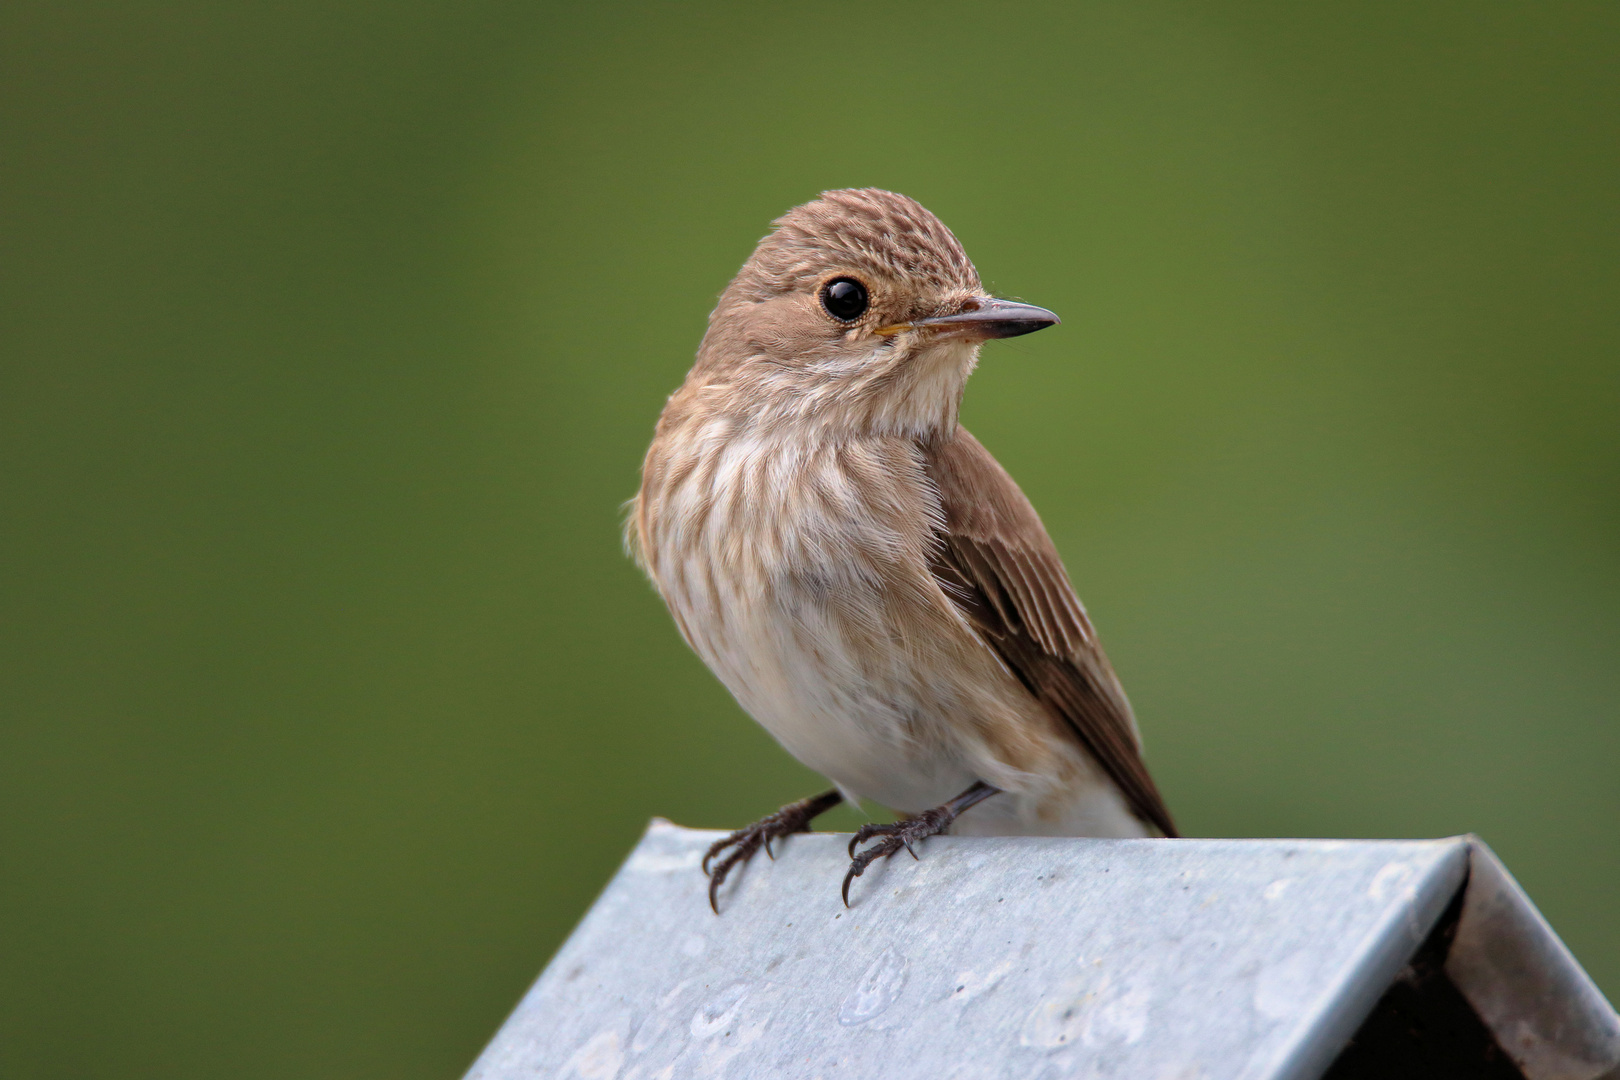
[
  {"x": 1524, "y": 984},
  {"x": 1020, "y": 958}
]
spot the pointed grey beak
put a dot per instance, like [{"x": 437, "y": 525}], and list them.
[{"x": 985, "y": 317}]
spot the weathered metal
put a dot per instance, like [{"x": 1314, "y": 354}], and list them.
[{"x": 1032, "y": 958}]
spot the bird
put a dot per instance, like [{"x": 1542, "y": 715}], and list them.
[{"x": 856, "y": 568}]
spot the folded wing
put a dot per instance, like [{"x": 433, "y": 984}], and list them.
[{"x": 997, "y": 564}]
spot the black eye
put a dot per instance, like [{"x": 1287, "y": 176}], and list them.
[{"x": 844, "y": 298}]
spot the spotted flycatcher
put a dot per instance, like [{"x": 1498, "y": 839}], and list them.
[{"x": 858, "y": 570}]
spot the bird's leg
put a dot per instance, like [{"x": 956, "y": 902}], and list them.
[
  {"x": 902, "y": 833},
  {"x": 792, "y": 818}
]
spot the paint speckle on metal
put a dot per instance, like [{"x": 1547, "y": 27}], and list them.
[{"x": 879, "y": 987}]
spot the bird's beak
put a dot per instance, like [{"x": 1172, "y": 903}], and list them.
[{"x": 982, "y": 318}]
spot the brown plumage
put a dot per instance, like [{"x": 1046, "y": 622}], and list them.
[
  {"x": 997, "y": 562},
  {"x": 857, "y": 569}
]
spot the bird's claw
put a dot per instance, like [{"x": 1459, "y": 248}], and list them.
[
  {"x": 746, "y": 841},
  {"x": 895, "y": 838}
]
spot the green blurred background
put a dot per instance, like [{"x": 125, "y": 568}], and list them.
[{"x": 334, "y": 333}]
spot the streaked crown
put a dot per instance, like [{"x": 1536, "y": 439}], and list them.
[{"x": 881, "y": 233}]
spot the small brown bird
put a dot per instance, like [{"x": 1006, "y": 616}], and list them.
[{"x": 858, "y": 570}]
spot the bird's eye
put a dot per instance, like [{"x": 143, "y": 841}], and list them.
[{"x": 844, "y": 298}]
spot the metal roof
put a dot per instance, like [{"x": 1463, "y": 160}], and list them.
[{"x": 1031, "y": 958}]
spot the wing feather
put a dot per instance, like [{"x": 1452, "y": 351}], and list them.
[{"x": 999, "y": 567}]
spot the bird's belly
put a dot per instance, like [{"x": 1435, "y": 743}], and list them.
[
  {"x": 840, "y": 675},
  {"x": 839, "y": 693}
]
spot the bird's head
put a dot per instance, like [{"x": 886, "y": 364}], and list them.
[{"x": 858, "y": 312}]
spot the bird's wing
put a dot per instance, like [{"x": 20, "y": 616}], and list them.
[{"x": 997, "y": 564}]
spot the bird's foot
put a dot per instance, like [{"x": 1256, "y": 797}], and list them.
[
  {"x": 902, "y": 834},
  {"x": 895, "y": 838},
  {"x": 792, "y": 818}
]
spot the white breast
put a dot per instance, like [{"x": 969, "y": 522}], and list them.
[{"x": 774, "y": 561}]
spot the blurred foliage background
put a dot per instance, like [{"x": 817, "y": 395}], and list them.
[{"x": 334, "y": 333}]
